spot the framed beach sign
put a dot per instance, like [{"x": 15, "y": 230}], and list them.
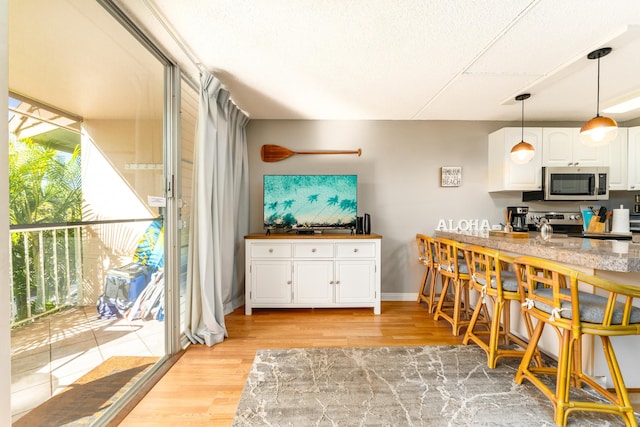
[{"x": 451, "y": 176}]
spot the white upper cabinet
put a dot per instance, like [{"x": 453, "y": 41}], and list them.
[
  {"x": 618, "y": 163},
  {"x": 562, "y": 147},
  {"x": 634, "y": 159},
  {"x": 504, "y": 175}
]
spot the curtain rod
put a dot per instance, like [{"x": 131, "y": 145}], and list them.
[
  {"x": 172, "y": 33},
  {"x": 181, "y": 44}
]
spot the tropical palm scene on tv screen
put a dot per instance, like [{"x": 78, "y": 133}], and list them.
[{"x": 310, "y": 201}]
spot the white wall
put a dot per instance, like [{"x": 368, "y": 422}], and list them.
[
  {"x": 5, "y": 253},
  {"x": 398, "y": 178},
  {"x": 112, "y": 192}
]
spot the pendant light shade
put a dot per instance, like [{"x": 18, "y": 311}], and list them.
[
  {"x": 522, "y": 152},
  {"x": 600, "y": 130}
]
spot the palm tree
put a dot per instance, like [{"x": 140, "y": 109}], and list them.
[{"x": 44, "y": 188}]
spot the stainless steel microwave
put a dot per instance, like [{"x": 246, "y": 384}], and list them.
[{"x": 572, "y": 183}]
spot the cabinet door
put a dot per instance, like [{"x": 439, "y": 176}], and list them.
[
  {"x": 618, "y": 163},
  {"x": 355, "y": 281},
  {"x": 271, "y": 282},
  {"x": 634, "y": 159},
  {"x": 583, "y": 155},
  {"x": 557, "y": 146},
  {"x": 313, "y": 282},
  {"x": 504, "y": 175},
  {"x": 563, "y": 147}
]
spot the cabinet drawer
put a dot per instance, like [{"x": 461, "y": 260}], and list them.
[
  {"x": 355, "y": 250},
  {"x": 313, "y": 250},
  {"x": 271, "y": 250}
]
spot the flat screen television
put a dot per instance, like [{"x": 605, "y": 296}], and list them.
[{"x": 310, "y": 201}]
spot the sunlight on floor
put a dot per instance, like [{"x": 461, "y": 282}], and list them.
[{"x": 55, "y": 351}]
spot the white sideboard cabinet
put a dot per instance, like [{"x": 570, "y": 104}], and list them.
[{"x": 312, "y": 271}]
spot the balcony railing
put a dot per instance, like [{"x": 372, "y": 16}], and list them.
[{"x": 45, "y": 269}]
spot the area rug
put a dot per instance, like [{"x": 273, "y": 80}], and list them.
[
  {"x": 84, "y": 401},
  {"x": 394, "y": 386}
]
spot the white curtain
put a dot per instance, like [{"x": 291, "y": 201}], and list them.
[{"x": 220, "y": 217}]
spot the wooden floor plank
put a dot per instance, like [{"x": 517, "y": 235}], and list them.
[{"x": 204, "y": 386}]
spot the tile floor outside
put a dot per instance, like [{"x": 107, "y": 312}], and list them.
[{"x": 53, "y": 352}]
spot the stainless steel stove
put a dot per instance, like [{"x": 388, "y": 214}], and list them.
[{"x": 562, "y": 222}]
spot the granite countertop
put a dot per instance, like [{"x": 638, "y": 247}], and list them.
[
  {"x": 329, "y": 235},
  {"x": 608, "y": 255}
]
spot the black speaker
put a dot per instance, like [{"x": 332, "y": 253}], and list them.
[
  {"x": 359, "y": 225},
  {"x": 366, "y": 224}
]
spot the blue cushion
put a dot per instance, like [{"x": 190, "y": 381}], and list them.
[
  {"x": 462, "y": 267},
  {"x": 509, "y": 281},
  {"x": 592, "y": 307}
]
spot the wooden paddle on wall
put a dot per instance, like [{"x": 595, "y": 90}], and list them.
[{"x": 275, "y": 153}]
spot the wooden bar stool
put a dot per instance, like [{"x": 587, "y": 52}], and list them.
[
  {"x": 575, "y": 304},
  {"x": 492, "y": 280},
  {"x": 426, "y": 251},
  {"x": 454, "y": 273}
]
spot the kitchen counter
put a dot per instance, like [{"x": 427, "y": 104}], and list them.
[
  {"x": 605, "y": 255},
  {"x": 615, "y": 260}
]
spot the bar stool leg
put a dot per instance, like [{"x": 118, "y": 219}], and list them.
[
  {"x": 618, "y": 382},
  {"x": 425, "y": 279},
  {"x": 443, "y": 296}
]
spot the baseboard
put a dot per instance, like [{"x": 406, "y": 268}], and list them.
[
  {"x": 397, "y": 296},
  {"x": 233, "y": 305}
]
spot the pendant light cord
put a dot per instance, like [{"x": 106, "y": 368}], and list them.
[
  {"x": 598, "y": 94},
  {"x": 522, "y": 121}
]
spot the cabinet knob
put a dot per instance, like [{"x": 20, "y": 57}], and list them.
[
  {"x": 288, "y": 282},
  {"x": 270, "y": 250},
  {"x": 331, "y": 282},
  {"x": 313, "y": 250},
  {"x": 355, "y": 250},
  {"x": 337, "y": 282}
]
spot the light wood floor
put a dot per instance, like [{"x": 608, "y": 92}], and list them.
[{"x": 204, "y": 386}]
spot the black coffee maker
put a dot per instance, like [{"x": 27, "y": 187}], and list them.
[{"x": 518, "y": 217}]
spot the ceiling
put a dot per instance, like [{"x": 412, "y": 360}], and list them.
[
  {"x": 386, "y": 60},
  {"x": 73, "y": 55}
]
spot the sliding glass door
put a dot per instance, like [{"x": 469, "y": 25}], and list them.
[{"x": 97, "y": 289}]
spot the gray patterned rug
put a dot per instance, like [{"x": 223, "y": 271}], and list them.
[{"x": 394, "y": 386}]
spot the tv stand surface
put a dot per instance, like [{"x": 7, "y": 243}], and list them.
[
  {"x": 312, "y": 271},
  {"x": 308, "y": 232}
]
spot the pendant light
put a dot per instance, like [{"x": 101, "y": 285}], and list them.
[
  {"x": 600, "y": 130},
  {"x": 522, "y": 152}
]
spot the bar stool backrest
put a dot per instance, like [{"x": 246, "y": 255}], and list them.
[
  {"x": 486, "y": 266},
  {"x": 554, "y": 292},
  {"x": 448, "y": 256},
  {"x": 425, "y": 250}
]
